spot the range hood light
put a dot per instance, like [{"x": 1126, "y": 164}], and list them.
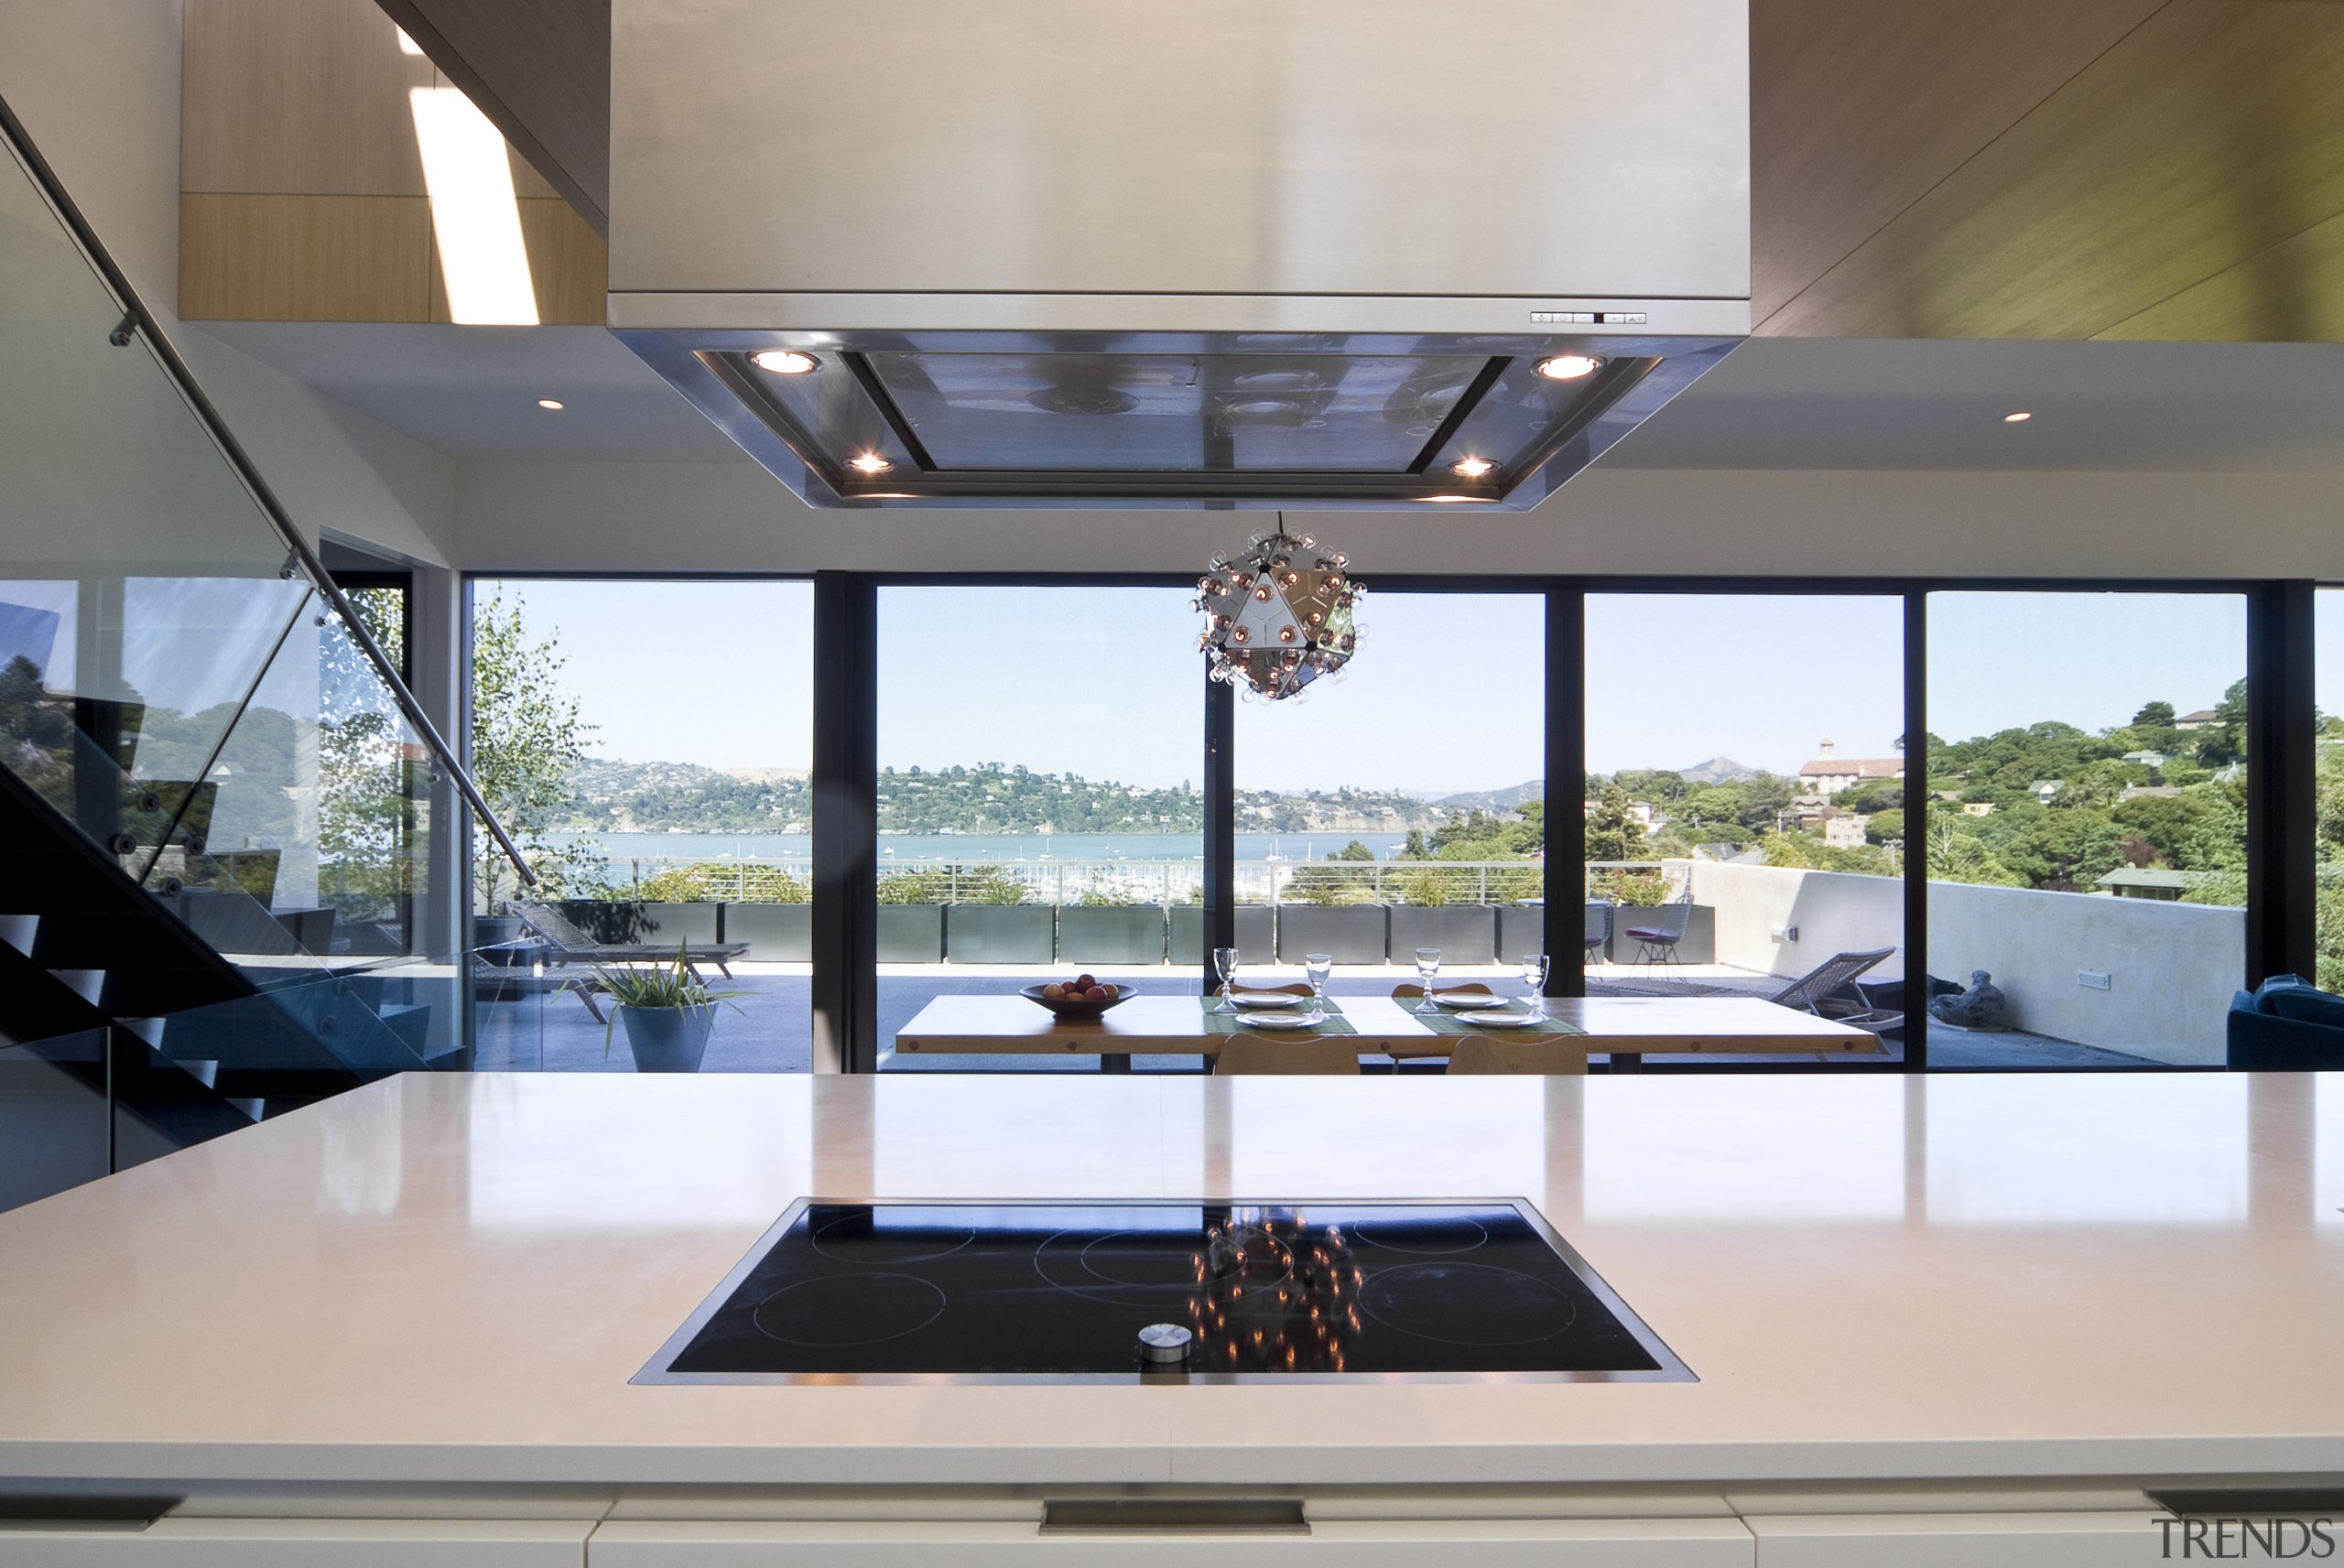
[
  {"x": 869, "y": 463},
  {"x": 1445, "y": 498},
  {"x": 2021, "y": 417},
  {"x": 1471, "y": 467},
  {"x": 1569, "y": 367},
  {"x": 783, "y": 362}
]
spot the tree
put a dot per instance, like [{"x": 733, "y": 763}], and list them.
[
  {"x": 526, "y": 736},
  {"x": 2155, "y": 715},
  {"x": 1612, "y": 832}
]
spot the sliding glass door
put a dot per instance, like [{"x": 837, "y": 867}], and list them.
[
  {"x": 2087, "y": 835},
  {"x": 1039, "y": 814}
]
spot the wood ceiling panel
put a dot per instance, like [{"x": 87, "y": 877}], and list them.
[
  {"x": 2291, "y": 292},
  {"x": 540, "y": 70},
  {"x": 2207, "y": 137},
  {"x": 1859, "y": 107},
  {"x": 293, "y": 97},
  {"x": 268, "y": 257}
]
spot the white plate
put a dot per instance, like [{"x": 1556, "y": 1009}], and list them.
[
  {"x": 1282, "y": 1020},
  {"x": 1455, "y": 1002},
  {"x": 1257, "y": 999},
  {"x": 1494, "y": 1019}
]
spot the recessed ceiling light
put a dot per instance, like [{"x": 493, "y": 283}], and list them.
[
  {"x": 553, "y": 402},
  {"x": 1472, "y": 468},
  {"x": 782, "y": 362},
  {"x": 2020, "y": 417},
  {"x": 1569, "y": 367},
  {"x": 869, "y": 463}
]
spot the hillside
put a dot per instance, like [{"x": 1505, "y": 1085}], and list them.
[
  {"x": 1717, "y": 770},
  {"x": 612, "y": 796}
]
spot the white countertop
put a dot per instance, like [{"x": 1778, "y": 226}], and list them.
[{"x": 450, "y": 1278}]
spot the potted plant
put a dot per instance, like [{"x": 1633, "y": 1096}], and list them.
[{"x": 667, "y": 1011}]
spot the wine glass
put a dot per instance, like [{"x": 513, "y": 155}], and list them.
[
  {"x": 1534, "y": 975},
  {"x": 1427, "y": 967},
  {"x": 1318, "y": 967},
  {"x": 1224, "y": 962}
]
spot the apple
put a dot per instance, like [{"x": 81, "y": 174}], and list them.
[
  {"x": 1084, "y": 983},
  {"x": 1096, "y": 993},
  {"x": 1054, "y": 993},
  {"x": 1106, "y": 992}
]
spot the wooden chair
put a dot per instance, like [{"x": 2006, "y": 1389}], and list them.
[
  {"x": 1297, "y": 988},
  {"x": 1545, "y": 1058},
  {"x": 1325, "y": 1054}
]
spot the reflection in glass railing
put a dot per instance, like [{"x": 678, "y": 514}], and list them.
[
  {"x": 2119, "y": 1149},
  {"x": 1774, "y": 1151},
  {"x": 52, "y": 1117}
]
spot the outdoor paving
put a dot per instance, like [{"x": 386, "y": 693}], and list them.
[{"x": 768, "y": 1027}]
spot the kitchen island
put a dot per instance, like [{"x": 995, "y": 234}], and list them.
[{"x": 1994, "y": 1309}]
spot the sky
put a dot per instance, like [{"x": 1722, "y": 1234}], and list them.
[{"x": 1445, "y": 695}]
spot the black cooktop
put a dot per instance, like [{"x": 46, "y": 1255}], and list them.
[{"x": 1045, "y": 1290}]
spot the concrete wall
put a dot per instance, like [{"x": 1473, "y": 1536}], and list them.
[
  {"x": 1833, "y": 912},
  {"x": 2172, "y": 968}
]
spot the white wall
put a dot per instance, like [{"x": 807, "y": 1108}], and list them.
[
  {"x": 96, "y": 83},
  {"x": 729, "y": 517},
  {"x": 2172, "y": 968},
  {"x": 1833, "y": 912}
]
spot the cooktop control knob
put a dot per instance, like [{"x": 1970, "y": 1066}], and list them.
[{"x": 1166, "y": 1344}]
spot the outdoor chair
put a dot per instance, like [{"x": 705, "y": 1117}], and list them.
[
  {"x": 1540, "y": 1059},
  {"x": 1599, "y": 916},
  {"x": 571, "y": 946},
  {"x": 1656, "y": 943},
  {"x": 1817, "y": 992},
  {"x": 1326, "y": 1056}
]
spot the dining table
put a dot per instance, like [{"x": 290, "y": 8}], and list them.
[{"x": 1624, "y": 1029}]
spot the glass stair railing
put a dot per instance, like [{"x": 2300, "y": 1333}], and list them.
[{"x": 233, "y": 836}]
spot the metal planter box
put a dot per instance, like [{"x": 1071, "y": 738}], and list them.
[
  {"x": 624, "y": 921},
  {"x": 1353, "y": 934},
  {"x": 1131, "y": 934},
  {"x": 1521, "y": 928},
  {"x": 911, "y": 934},
  {"x": 775, "y": 932},
  {"x": 1465, "y": 932},
  {"x": 674, "y": 923},
  {"x": 999, "y": 933},
  {"x": 1256, "y": 934}
]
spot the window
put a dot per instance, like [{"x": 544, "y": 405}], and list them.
[
  {"x": 1401, "y": 805},
  {"x": 2087, "y": 825},
  {"x": 1039, "y": 812},
  {"x": 649, "y": 744},
  {"x": 1747, "y": 800}
]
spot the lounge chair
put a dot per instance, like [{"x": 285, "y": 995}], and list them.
[
  {"x": 569, "y": 945},
  {"x": 1817, "y": 992}
]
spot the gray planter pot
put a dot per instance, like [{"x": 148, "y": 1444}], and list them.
[
  {"x": 775, "y": 932},
  {"x": 1256, "y": 933},
  {"x": 911, "y": 934},
  {"x": 1521, "y": 928},
  {"x": 492, "y": 930},
  {"x": 668, "y": 1039},
  {"x": 1354, "y": 934},
  {"x": 999, "y": 933},
  {"x": 1699, "y": 945},
  {"x": 1465, "y": 932},
  {"x": 1130, "y": 934}
]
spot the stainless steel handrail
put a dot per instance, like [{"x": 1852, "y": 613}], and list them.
[{"x": 138, "y": 321}]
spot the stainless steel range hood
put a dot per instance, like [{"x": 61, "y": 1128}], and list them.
[{"x": 1355, "y": 253}]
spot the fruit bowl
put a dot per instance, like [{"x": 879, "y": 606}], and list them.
[{"x": 1070, "y": 1004}]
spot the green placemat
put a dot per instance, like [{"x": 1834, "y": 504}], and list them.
[
  {"x": 1446, "y": 1022},
  {"x": 1226, "y": 1022}
]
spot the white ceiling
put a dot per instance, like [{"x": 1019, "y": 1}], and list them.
[{"x": 472, "y": 392}]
